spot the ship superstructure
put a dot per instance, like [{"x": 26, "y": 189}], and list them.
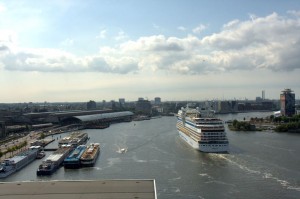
[
  {"x": 74, "y": 139},
  {"x": 202, "y": 130}
]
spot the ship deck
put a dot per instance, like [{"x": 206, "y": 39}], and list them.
[{"x": 142, "y": 189}]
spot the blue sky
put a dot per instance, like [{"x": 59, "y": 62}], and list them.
[{"x": 177, "y": 50}]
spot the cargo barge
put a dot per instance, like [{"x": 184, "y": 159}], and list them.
[{"x": 54, "y": 161}]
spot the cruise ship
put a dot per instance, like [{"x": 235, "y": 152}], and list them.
[
  {"x": 16, "y": 163},
  {"x": 73, "y": 160},
  {"x": 75, "y": 139},
  {"x": 202, "y": 130},
  {"x": 53, "y": 162},
  {"x": 90, "y": 155}
]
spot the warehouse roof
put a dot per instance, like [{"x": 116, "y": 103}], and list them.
[{"x": 87, "y": 118}]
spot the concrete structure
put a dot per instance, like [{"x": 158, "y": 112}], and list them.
[
  {"x": 113, "y": 189},
  {"x": 287, "y": 102}
]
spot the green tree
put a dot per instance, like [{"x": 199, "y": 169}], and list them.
[
  {"x": 234, "y": 123},
  {"x": 272, "y": 118},
  {"x": 42, "y": 136}
]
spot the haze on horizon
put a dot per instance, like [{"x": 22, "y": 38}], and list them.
[{"x": 72, "y": 50}]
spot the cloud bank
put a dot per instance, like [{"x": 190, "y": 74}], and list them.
[{"x": 271, "y": 42}]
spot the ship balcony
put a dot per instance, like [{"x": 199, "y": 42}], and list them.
[
  {"x": 214, "y": 138},
  {"x": 203, "y": 129},
  {"x": 213, "y": 142}
]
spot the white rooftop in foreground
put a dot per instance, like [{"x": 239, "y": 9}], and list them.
[{"x": 106, "y": 189}]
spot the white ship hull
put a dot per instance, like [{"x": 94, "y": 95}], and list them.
[
  {"x": 207, "y": 148},
  {"x": 21, "y": 160}
]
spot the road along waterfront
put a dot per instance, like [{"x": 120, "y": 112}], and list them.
[{"x": 258, "y": 165}]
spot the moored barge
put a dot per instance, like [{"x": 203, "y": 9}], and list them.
[
  {"x": 90, "y": 155},
  {"x": 73, "y": 160}
]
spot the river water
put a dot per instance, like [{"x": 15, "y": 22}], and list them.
[{"x": 259, "y": 164}]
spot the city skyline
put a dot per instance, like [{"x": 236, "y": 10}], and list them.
[{"x": 76, "y": 51}]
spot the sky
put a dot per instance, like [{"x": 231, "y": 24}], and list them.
[{"x": 81, "y": 50}]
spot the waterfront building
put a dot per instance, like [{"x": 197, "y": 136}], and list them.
[
  {"x": 259, "y": 99},
  {"x": 2, "y": 129},
  {"x": 143, "y": 107},
  {"x": 91, "y": 105},
  {"x": 287, "y": 102},
  {"x": 224, "y": 107},
  {"x": 122, "y": 101},
  {"x": 157, "y": 101}
]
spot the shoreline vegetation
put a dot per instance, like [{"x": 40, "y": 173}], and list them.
[{"x": 277, "y": 124}]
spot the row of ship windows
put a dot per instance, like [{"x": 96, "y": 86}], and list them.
[
  {"x": 214, "y": 145},
  {"x": 212, "y": 138},
  {"x": 189, "y": 131},
  {"x": 213, "y": 134}
]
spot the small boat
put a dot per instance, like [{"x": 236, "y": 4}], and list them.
[
  {"x": 40, "y": 155},
  {"x": 90, "y": 155},
  {"x": 123, "y": 150}
]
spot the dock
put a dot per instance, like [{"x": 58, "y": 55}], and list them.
[{"x": 113, "y": 189}]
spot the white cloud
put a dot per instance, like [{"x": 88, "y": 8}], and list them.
[
  {"x": 294, "y": 12},
  {"x": 2, "y": 8},
  {"x": 121, "y": 36},
  {"x": 199, "y": 29},
  {"x": 182, "y": 28},
  {"x": 261, "y": 43},
  {"x": 8, "y": 36},
  {"x": 156, "y": 26},
  {"x": 67, "y": 42},
  {"x": 231, "y": 23},
  {"x": 102, "y": 34}
]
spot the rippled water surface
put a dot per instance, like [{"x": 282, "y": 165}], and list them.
[{"x": 259, "y": 164}]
